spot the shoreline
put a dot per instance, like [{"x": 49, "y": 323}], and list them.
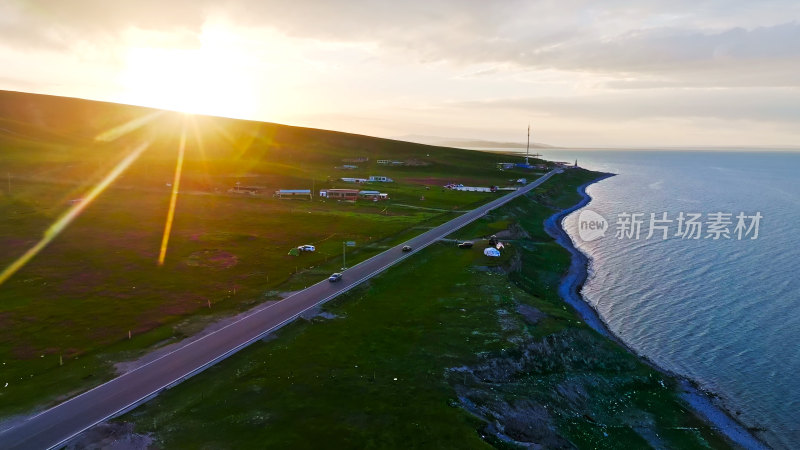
[{"x": 700, "y": 401}]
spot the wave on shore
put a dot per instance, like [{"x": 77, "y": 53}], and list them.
[{"x": 569, "y": 289}]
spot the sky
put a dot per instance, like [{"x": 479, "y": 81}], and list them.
[{"x": 582, "y": 73}]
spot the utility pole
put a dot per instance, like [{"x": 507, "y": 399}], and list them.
[
  {"x": 528, "y": 148},
  {"x": 9, "y": 184},
  {"x": 344, "y": 260}
]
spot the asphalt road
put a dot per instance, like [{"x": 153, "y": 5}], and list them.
[{"x": 61, "y": 423}]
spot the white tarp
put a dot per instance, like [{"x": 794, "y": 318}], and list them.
[{"x": 493, "y": 252}]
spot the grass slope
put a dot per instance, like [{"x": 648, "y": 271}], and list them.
[
  {"x": 65, "y": 317},
  {"x": 447, "y": 350}
]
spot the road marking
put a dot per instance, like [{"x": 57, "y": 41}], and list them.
[{"x": 447, "y": 228}]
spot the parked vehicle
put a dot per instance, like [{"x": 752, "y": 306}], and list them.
[
  {"x": 307, "y": 248},
  {"x": 406, "y": 248},
  {"x": 335, "y": 277},
  {"x": 465, "y": 244}
]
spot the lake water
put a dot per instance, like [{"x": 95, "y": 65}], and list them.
[{"x": 725, "y": 312}]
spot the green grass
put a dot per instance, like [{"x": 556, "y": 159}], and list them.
[
  {"x": 382, "y": 374},
  {"x": 333, "y": 382},
  {"x": 319, "y": 383},
  {"x": 99, "y": 279},
  {"x": 65, "y": 317}
]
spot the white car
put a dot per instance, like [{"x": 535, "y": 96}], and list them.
[{"x": 307, "y": 248}]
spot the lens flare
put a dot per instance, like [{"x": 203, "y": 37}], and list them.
[
  {"x": 132, "y": 125},
  {"x": 198, "y": 141},
  {"x": 51, "y": 233},
  {"x": 173, "y": 199}
]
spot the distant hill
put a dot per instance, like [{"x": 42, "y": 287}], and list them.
[
  {"x": 468, "y": 143},
  {"x": 46, "y": 117},
  {"x": 80, "y": 136}
]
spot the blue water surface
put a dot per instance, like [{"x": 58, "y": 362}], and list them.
[{"x": 726, "y": 312}]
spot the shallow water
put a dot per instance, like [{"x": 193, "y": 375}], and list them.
[{"x": 724, "y": 312}]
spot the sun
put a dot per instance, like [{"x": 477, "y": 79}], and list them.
[{"x": 213, "y": 78}]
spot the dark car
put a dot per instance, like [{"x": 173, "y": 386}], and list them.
[
  {"x": 406, "y": 248},
  {"x": 466, "y": 244},
  {"x": 335, "y": 277}
]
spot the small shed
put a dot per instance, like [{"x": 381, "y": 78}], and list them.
[
  {"x": 293, "y": 193},
  {"x": 373, "y": 195},
  {"x": 342, "y": 194},
  {"x": 380, "y": 178},
  {"x": 472, "y": 189}
]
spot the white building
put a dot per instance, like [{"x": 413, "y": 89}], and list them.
[
  {"x": 472, "y": 189},
  {"x": 373, "y": 195},
  {"x": 381, "y": 179}
]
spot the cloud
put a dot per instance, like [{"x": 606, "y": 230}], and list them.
[
  {"x": 59, "y": 25},
  {"x": 752, "y": 104},
  {"x": 739, "y": 55},
  {"x": 669, "y": 43},
  {"x": 434, "y": 63}
]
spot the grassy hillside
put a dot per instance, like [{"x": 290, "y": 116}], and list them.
[
  {"x": 219, "y": 150},
  {"x": 66, "y": 316}
]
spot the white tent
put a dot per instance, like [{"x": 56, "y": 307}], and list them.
[{"x": 493, "y": 252}]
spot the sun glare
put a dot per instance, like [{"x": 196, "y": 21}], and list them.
[{"x": 211, "y": 79}]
